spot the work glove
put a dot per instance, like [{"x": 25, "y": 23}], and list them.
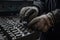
[{"x": 29, "y": 12}]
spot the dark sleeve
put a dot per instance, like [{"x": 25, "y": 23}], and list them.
[
  {"x": 45, "y": 5},
  {"x": 40, "y": 5},
  {"x": 56, "y": 14}
]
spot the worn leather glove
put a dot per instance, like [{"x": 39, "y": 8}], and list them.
[
  {"x": 29, "y": 12},
  {"x": 43, "y": 22}
]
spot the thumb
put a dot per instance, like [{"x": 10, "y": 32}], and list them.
[{"x": 35, "y": 20}]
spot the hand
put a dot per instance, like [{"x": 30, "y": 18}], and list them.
[
  {"x": 29, "y": 12},
  {"x": 42, "y": 23}
]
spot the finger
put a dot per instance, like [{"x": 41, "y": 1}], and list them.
[
  {"x": 32, "y": 10},
  {"x": 23, "y": 10},
  {"x": 32, "y": 16},
  {"x": 35, "y": 20},
  {"x": 35, "y": 8},
  {"x": 31, "y": 13}
]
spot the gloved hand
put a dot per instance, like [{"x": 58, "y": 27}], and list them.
[
  {"x": 43, "y": 22},
  {"x": 30, "y": 12}
]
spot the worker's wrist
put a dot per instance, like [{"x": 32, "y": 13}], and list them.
[{"x": 51, "y": 18}]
